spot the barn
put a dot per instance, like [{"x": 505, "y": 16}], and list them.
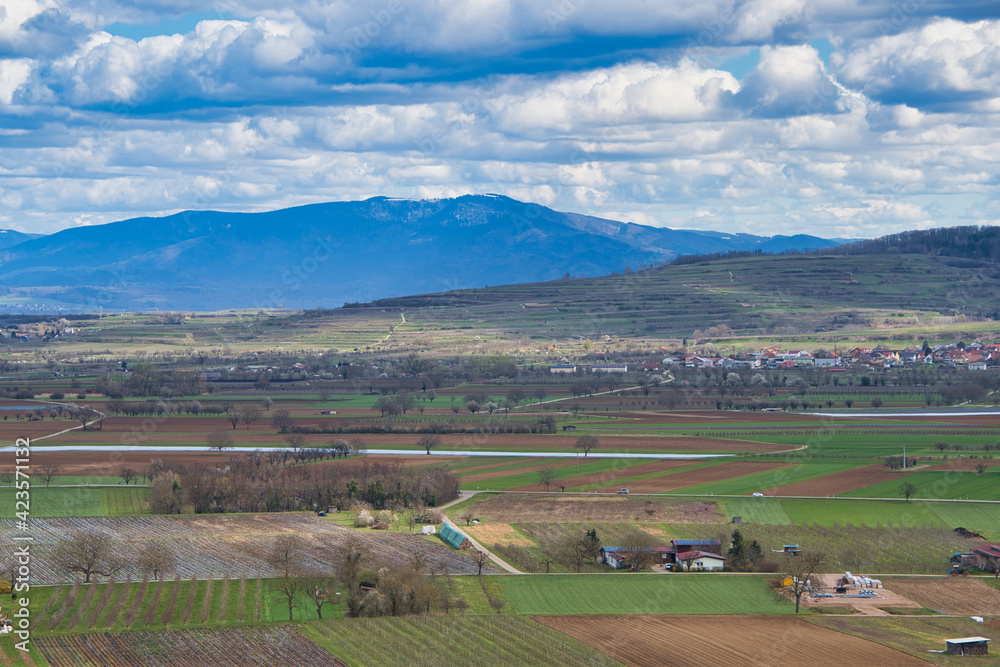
[
  {"x": 987, "y": 557},
  {"x": 967, "y": 646}
]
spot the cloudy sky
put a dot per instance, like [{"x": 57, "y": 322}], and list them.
[{"x": 831, "y": 117}]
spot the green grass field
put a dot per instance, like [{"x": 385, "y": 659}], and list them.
[
  {"x": 939, "y": 484},
  {"x": 642, "y": 594},
  {"x": 758, "y": 510},
  {"x": 860, "y": 512},
  {"x": 56, "y": 502},
  {"x": 63, "y": 609},
  {"x": 80, "y": 501}
]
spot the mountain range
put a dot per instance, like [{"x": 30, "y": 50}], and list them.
[{"x": 324, "y": 255}]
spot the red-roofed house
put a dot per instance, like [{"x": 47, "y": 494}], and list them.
[{"x": 987, "y": 557}]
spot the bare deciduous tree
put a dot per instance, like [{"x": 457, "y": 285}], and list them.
[
  {"x": 800, "y": 568},
  {"x": 156, "y": 559},
  {"x": 587, "y": 443},
  {"x": 249, "y": 415},
  {"x": 285, "y": 558},
  {"x": 320, "y": 589},
  {"x": 281, "y": 420},
  {"x": 907, "y": 489},
  {"x": 639, "y": 547},
  {"x": 480, "y": 559},
  {"x": 48, "y": 470},
  {"x": 89, "y": 554},
  {"x": 220, "y": 440},
  {"x": 547, "y": 475},
  {"x": 429, "y": 442}
]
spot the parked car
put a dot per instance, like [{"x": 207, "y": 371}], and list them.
[{"x": 623, "y": 491}]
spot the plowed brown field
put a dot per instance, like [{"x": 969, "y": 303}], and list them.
[
  {"x": 610, "y": 476},
  {"x": 551, "y": 463},
  {"x": 105, "y": 464},
  {"x": 950, "y": 595},
  {"x": 702, "y": 475},
  {"x": 694, "y": 641},
  {"x": 840, "y": 482}
]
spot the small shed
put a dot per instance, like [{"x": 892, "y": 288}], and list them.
[
  {"x": 967, "y": 646},
  {"x": 427, "y": 530}
]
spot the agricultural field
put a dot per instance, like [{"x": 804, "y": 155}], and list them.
[
  {"x": 694, "y": 641},
  {"x": 263, "y": 646},
  {"x": 58, "y": 502},
  {"x": 962, "y": 596},
  {"x": 156, "y": 604},
  {"x": 939, "y": 484},
  {"x": 215, "y": 546},
  {"x": 519, "y": 508},
  {"x": 642, "y": 594},
  {"x": 817, "y": 470},
  {"x": 448, "y": 640},
  {"x": 921, "y": 637}
]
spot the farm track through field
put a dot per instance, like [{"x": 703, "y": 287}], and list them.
[{"x": 695, "y": 641}]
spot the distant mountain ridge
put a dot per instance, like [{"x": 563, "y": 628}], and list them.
[
  {"x": 324, "y": 255},
  {"x": 11, "y": 237}
]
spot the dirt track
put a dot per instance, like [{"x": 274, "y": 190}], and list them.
[{"x": 694, "y": 641}]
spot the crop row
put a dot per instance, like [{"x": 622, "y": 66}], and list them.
[
  {"x": 138, "y": 527},
  {"x": 223, "y": 647}
]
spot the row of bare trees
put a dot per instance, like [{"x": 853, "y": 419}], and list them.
[
  {"x": 92, "y": 555},
  {"x": 257, "y": 483}
]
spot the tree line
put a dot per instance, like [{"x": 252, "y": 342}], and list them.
[{"x": 257, "y": 483}]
